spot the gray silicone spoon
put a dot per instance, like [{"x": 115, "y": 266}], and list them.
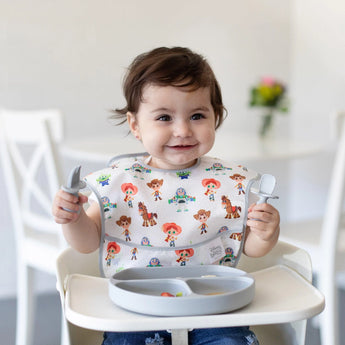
[
  {"x": 266, "y": 188},
  {"x": 74, "y": 184}
]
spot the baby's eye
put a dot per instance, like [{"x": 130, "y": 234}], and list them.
[
  {"x": 164, "y": 118},
  {"x": 197, "y": 116}
]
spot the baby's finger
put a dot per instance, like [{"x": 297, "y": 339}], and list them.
[
  {"x": 263, "y": 208},
  {"x": 62, "y": 195},
  {"x": 257, "y": 224},
  {"x": 260, "y": 216},
  {"x": 65, "y": 220},
  {"x": 251, "y": 207},
  {"x": 65, "y": 202},
  {"x": 66, "y": 205},
  {"x": 83, "y": 199},
  {"x": 63, "y": 216}
]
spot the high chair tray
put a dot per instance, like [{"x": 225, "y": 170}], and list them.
[
  {"x": 281, "y": 296},
  {"x": 179, "y": 291}
]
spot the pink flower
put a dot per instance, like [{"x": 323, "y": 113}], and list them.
[{"x": 268, "y": 81}]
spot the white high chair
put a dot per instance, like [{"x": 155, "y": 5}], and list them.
[
  {"x": 32, "y": 177},
  {"x": 324, "y": 240},
  {"x": 84, "y": 299}
]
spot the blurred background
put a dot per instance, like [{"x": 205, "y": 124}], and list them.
[{"x": 72, "y": 55}]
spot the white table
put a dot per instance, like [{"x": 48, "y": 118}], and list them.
[
  {"x": 234, "y": 147},
  {"x": 287, "y": 297}
]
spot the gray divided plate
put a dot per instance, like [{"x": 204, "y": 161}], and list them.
[{"x": 195, "y": 290}]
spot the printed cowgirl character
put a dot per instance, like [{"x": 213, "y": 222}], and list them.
[
  {"x": 239, "y": 185},
  {"x": 202, "y": 217},
  {"x": 129, "y": 189},
  {"x": 171, "y": 229},
  {"x": 211, "y": 187},
  {"x": 184, "y": 255},
  {"x": 112, "y": 249}
]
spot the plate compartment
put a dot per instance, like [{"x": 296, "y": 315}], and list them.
[{"x": 196, "y": 290}]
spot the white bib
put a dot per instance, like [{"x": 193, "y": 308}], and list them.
[{"x": 155, "y": 217}]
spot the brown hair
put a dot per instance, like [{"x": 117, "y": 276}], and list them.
[{"x": 175, "y": 66}]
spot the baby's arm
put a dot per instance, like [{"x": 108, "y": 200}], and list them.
[
  {"x": 262, "y": 230},
  {"x": 82, "y": 230}
]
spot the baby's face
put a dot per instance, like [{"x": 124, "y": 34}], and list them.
[{"x": 176, "y": 126}]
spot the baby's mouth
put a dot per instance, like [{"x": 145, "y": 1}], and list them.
[{"x": 181, "y": 147}]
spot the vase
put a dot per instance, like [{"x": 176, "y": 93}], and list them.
[{"x": 266, "y": 124}]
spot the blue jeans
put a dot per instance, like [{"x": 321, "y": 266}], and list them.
[{"x": 207, "y": 336}]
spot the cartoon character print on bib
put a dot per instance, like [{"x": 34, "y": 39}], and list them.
[{"x": 157, "y": 217}]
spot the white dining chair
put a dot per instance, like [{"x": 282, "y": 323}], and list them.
[
  {"x": 72, "y": 262},
  {"x": 32, "y": 176},
  {"x": 324, "y": 240}
]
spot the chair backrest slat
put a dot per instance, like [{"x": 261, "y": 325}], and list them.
[
  {"x": 336, "y": 194},
  {"x": 31, "y": 166},
  {"x": 23, "y": 125}
]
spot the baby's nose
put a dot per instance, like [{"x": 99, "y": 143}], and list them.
[{"x": 182, "y": 129}]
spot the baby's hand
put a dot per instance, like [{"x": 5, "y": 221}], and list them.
[
  {"x": 64, "y": 201},
  {"x": 263, "y": 220}
]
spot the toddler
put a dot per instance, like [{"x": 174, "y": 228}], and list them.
[{"x": 171, "y": 205}]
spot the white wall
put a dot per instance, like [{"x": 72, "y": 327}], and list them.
[
  {"x": 317, "y": 89},
  {"x": 72, "y": 55}
]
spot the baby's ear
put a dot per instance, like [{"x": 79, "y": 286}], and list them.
[{"x": 133, "y": 124}]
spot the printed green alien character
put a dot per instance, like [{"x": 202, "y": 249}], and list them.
[
  {"x": 103, "y": 180},
  {"x": 183, "y": 175}
]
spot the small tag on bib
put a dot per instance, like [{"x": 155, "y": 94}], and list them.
[{"x": 215, "y": 250}]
